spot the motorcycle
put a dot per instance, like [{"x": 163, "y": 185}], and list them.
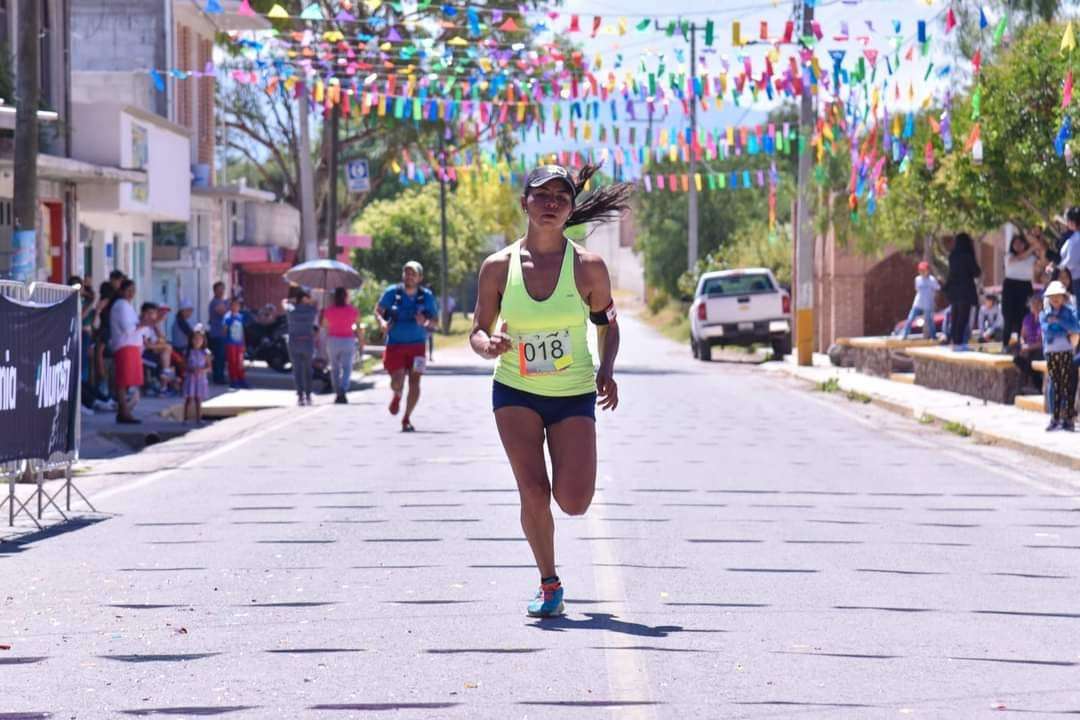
[{"x": 268, "y": 342}]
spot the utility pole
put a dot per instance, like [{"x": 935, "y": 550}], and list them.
[
  {"x": 692, "y": 221},
  {"x": 445, "y": 280},
  {"x": 332, "y": 206},
  {"x": 28, "y": 93},
  {"x": 309, "y": 246},
  {"x": 804, "y": 233}
]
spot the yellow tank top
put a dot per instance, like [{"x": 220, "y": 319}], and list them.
[{"x": 551, "y": 354}]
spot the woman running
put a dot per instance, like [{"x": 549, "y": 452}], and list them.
[{"x": 544, "y": 288}]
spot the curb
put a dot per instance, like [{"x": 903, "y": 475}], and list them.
[{"x": 976, "y": 434}]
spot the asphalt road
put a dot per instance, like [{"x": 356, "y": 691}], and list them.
[{"x": 755, "y": 550}]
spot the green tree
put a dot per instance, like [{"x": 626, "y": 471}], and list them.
[
  {"x": 751, "y": 245},
  {"x": 662, "y": 215},
  {"x": 1021, "y": 179},
  {"x": 408, "y": 228},
  {"x": 662, "y": 218}
]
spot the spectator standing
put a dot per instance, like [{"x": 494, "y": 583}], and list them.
[
  {"x": 196, "y": 385},
  {"x": 1031, "y": 344},
  {"x": 89, "y": 313},
  {"x": 234, "y": 345},
  {"x": 341, "y": 330},
  {"x": 1070, "y": 251},
  {"x": 216, "y": 336},
  {"x": 127, "y": 346},
  {"x": 302, "y": 314},
  {"x": 960, "y": 288},
  {"x": 926, "y": 288},
  {"x": 1059, "y": 327},
  {"x": 182, "y": 331},
  {"x": 1017, "y": 288},
  {"x": 102, "y": 335}
]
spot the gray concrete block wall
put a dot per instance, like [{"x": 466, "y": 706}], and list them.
[{"x": 120, "y": 35}]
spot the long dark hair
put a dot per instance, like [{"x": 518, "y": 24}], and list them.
[
  {"x": 963, "y": 245},
  {"x": 340, "y": 296},
  {"x": 604, "y": 204}
]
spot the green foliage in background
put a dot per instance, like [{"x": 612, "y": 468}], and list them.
[{"x": 479, "y": 218}]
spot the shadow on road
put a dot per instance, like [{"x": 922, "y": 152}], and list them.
[
  {"x": 606, "y": 622},
  {"x": 20, "y": 543}
]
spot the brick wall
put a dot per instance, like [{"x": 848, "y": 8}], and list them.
[
  {"x": 183, "y": 87},
  {"x": 856, "y": 295},
  {"x": 888, "y": 293},
  {"x": 205, "y": 137}
]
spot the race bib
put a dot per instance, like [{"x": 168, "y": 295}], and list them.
[
  {"x": 419, "y": 364},
  {"x": 545, "y": 353}
]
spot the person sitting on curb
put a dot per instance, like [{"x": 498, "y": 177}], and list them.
[
  {"x": 990, "y": 323},
  {"x": 1059, "y": 329},
  {"x": 157, "y": 352},
  {"x": 1031, "y": 345}
]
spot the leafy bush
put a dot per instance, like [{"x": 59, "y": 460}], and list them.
[{"x": 658, "y": 301}]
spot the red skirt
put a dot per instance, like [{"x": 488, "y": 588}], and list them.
[{"x": 129, "y": 367}]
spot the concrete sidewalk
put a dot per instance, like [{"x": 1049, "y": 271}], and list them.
[
  {"x": 1005, "y": 425},
  {"x": 162, "y": 416}
]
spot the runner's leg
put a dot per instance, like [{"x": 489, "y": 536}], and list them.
[
  {"x": 397, "y": 382},
  {"x": 572, "y": 446},
  {"x": 414, "y": 394},
  {"x": 522, "y": 434}
]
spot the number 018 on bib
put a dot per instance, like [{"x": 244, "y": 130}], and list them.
[{"x": 545, "y": 353}]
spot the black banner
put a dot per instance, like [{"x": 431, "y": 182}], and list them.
[{"x": 39, "y": 378}]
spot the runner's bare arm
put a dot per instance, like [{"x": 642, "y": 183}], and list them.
[
  {"x": 597, "y": 286},
  {"x": 491, "y": 284},
  {"x": 380, "y": 317}
]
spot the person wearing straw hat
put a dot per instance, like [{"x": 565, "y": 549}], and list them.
[{"x": 1060, "y": 329}]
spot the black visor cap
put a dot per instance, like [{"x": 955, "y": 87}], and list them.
[{"x": 547, "y": 173}]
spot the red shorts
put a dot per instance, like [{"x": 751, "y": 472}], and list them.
[
  {"x": 402, "y": 357},
  {"x": 129, "y": 369}
]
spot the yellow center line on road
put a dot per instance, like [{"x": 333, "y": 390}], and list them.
[
  {"x": 226, "y": 448},
  {"x": 628, "y": 678}
]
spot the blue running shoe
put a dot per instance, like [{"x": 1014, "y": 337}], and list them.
[{"x": 548, "y": 601}]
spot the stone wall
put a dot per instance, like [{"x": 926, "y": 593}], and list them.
[
  {"x": 999, "y": 385},
  {"x": 873, "y": 361}
]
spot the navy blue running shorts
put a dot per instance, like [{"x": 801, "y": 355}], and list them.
[{"x": 550, "y": 409}]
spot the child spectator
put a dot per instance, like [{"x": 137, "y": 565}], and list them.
[
  {"x": 157, "y": 353},
  {"x": 196, "y": 384},
  {"x": 1031, "y": 344},
  {"x": 990, "y": 321},
  {"x": 234, "y": 345},
  {"x": 1059, "y": 325},
  {"x": 926, "y": 288}
]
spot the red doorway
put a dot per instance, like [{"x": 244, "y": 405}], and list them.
[{"x": 54, "y": 226}]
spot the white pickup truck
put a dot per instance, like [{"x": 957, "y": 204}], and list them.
[{"x": 740, "y": 307}]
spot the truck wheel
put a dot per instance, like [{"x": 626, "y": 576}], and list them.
[
  {"x": 781, "y": 347},
  {"x": 693, "y": 347},
  {"x": 704, "y": 353}
]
